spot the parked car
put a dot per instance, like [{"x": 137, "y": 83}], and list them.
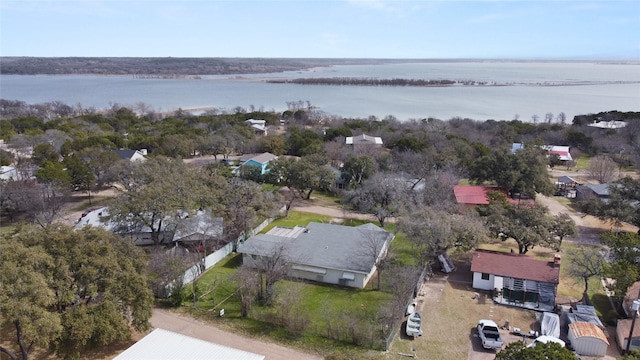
[
  {"x": 226, "y": 161},
  {"x": 489, "y": 334}
]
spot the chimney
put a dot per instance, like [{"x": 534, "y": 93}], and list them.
[{"x": 556, "y": 260}]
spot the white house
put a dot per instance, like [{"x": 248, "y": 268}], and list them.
[
  {"x": 259, "y": 126},
  {"x": 623, "y": 329},
  {"x": 198, "y": 227},
  {"x": 132, "y": 155},
  {"x": 8, "y": 173},
  {"x": 328, "y": 253},
  {"x": 515, "y": 279},
  {"x": 363, "y": 140}
]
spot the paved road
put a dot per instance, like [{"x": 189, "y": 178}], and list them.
[{"x": 171, "y": 321}]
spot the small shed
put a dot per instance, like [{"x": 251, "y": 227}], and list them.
[{"x": 588, "y": 339}]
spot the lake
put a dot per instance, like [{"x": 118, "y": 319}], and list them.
[{"x": 521, "y": 89}]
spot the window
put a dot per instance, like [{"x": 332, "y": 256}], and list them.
[{"x": 485, "y": 276}]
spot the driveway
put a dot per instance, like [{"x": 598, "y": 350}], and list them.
[{"x": 171, "y": 321}]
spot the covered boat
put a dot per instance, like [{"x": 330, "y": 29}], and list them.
[{"x": 414, "y": 325}]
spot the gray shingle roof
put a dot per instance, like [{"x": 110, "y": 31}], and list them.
[{"x": 324, "y": 245}]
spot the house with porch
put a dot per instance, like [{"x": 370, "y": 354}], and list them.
[
  {"x": 326, "y": 253},
  {"x": 517, "y": 280}
]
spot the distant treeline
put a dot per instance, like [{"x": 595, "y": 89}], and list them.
[
  {"x": 377, "y": 82},
  {"x": 165, "y": 67}
]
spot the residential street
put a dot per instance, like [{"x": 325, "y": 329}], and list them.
[{"x": 171, "y": 321}]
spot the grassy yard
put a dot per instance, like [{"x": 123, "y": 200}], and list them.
[{"x": 321, "y": 304}]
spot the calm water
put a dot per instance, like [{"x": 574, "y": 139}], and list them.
[{"x": 536, "y": 89}]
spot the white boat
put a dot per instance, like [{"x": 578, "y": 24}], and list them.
[
  {"x": 414, "y": 325},
  {"x": 411, "y": 309}
]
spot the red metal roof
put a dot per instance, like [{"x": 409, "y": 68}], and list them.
[
  {"x": 474, "y": 195},
  {"x": 515, "y": 266},
  {"x": 580, "y": 329}
]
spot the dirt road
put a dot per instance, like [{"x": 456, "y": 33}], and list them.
[{"x": 171, "y": 321}]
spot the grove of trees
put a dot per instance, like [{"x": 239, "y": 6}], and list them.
[{"x": 407, "y": 185}]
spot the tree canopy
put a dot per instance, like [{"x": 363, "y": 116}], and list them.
[
  {"x": 74, "y": 290},
  {"x": 521, "y": 173},
  {"x": 541, "y": 351}
]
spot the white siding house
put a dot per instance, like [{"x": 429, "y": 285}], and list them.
[
  {"x": 328, "y": 253},
  {"x": 515, "y": 279}
]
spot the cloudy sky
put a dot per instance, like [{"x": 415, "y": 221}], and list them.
[{"x": 325, "y": 29}]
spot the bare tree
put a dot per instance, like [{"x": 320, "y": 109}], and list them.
[
  {"x": 373, "y": 250},
  {"x": 249, "y": 285},
  {"x": 52, "y": 197},
  {"x": 288, "y": 303},
  {"x": 562, "y": 118},
  {"x": 602, "y": 169},
  {"x": 271, "y": 269},
  {"x": 586, "y": 262},
  {"x": 381, "y": 196},
  {"x": 548, "y": 117}
]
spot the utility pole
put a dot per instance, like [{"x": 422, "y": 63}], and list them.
[{"x": 634, "y": 307}]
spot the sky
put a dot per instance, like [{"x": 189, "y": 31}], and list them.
[{"x": 415, "y": 29}]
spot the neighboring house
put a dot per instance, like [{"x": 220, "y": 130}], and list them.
[
  {"x": 198, "y": 227},
  {"x": 593, "y": 191},
  {"x": 201, "y": 229},
  {"x": 587, "y": 339},
  {"x": 327, "y": 253},
  {"x": 632, "y": 294},
  {"x": 623, "y": 328},
  {"x": 562, "y": 152},
  {"x": 340, "y": 183},
  {"x": 364, "y": 141},
  {"x": 567, "y": 182},
  {"x": 615, "y": 124},
  {"x": 258, "y": 126},
  {"x": 517, "y": 280},
  {"x": 8, "y": 173},
  {"x": 132, "y": 155},
  {"x": 260, "y": 161},
  {"x": 468, "y": 196},
  {"x": 163, "y": 344}
]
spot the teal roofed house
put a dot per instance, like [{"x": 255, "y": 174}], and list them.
[{"x": 260, "y": 161}]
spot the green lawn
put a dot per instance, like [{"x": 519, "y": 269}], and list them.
[{"x": 324, "y": 308}]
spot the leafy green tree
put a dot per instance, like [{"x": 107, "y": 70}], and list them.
[
  {"x": 6, "y": 158},
  {"x": 524, "y": 172},
  {"x": 275, "y": 144},
  {"x": 519, "y": 351},
  {"x": 155, "y": 192},
  {"x": 357, "y": 169},
  {"x": 304, "y": 142},
  {"x": 586, "y": 262},
  {"x": 562, "y": 226},
  {"x": 433, "y": 232},
  {"x": 53, "y": 173},
  {"x": 623, "y": 266},
  {"x": 527, "y": 225},
  {"x": 81, "y": 177},
  {"x": 44, "y": 152},
  {"x": 301, "y": 176},
  {"x": 85, "y": 288}
]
